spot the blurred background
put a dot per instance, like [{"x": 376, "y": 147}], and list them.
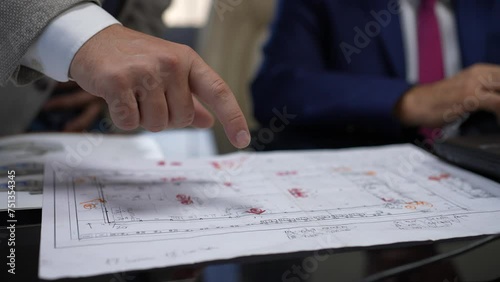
[{"x": 229, "y": 35}]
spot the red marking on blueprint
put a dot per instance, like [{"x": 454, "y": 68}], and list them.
[
  {"x": 256, "y": 211},
  {"x": 229, "y": 164},
  {"x": 434, "y": 178},
  {"x": 184, "y": 199},
  {"x": 286, "y": 173},
  {"x": 92, "y": 204},
  {"x": 174, "y": 179},
  {"x": 178, "y": 179},
  {"x": 216, "y": 165},
  {"x": 388, "y": 200},
  {"x": 89, "y": 206},
  {"x": 297, "y": 193},
  {"x": 342, "y": 169},
  {"x": 439, "y": 177},
  {"x": 161, "y": 163},
  {"x": 414, "y": 205},
  {"x": 228, "y": 184},
  {"x": 175, "y": 163}
]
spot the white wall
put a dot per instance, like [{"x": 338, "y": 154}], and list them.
[{"x": 187, "y": 13}]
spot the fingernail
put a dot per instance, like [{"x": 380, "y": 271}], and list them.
[{"x": 242, "y": 139}]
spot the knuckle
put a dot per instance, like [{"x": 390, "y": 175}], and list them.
[
  {"x": 117, "y": 81},
  {"x": 112, "y": 99},
  {"x": 142, "y": 69},
  {"x": 235, "y": 117},
  {"x": 125, "y": 116},
  {"x": 171, "y": 62},
  {"x": 184, "y": 118},
  {"x": 220, "y": 90},
  {"x": 187, "y": 119},
  {"x": 186, "y": 50},
  {"x": 117, "y": 78}
]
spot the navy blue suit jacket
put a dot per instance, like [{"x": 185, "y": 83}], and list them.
[{"x": 307, "y": 71}]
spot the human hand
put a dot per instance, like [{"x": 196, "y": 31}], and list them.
[
  {"x": 90, "y": 106},
  {"x": 436, "y": 104},
  {"x": 153, "y": 83}
]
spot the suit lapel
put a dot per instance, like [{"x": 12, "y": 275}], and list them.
[
  {"x": 390, "y": 36},
  {"x": 471, "y": 25}
]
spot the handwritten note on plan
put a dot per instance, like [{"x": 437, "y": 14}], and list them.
[{"x": 148, "y": 215}]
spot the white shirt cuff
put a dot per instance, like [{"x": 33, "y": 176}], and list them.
[{"x": 53, "y": 52}]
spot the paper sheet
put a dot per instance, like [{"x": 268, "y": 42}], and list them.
[
  {"x": 185, "y": 143},
  {"x": 28, "y": 153},
  {"x": 143, "y": 216}
]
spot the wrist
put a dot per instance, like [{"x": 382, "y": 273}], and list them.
[
  {"x": 84, "y": 59},
  {"x": 410, "y": 109},
  {"x": 55, "y": 48}
]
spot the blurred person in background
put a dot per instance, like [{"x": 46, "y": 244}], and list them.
[{"x": 364, "y": 72}]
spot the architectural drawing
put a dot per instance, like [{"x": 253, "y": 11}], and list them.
[{"x": 247, "y": 204}]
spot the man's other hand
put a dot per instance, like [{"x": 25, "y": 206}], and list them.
[
  {"x": 433, "y": 105},
  {"x": 155, "y": 83},
  {"x": 76, "y": 99}
]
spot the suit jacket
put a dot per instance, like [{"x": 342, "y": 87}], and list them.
[
  {"x": 21, "y": 22},
  {"x": 144, "y": 16},
  {"x": 20, "y": 105},
  {"x": 307, "y": 70}
]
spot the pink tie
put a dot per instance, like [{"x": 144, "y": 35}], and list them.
[
  {"x": 430, "y": 62},
  {"x": 431, "y": 67}
]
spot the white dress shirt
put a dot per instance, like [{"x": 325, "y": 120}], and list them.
[
  {"x": 449, "y": 37},
  {"x": 53, "y": 51}
]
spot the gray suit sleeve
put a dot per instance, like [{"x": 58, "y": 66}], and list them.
[{"x": 21, "y": 22}]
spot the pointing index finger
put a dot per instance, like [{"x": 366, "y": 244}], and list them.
[{"x": 212, "y": 90}]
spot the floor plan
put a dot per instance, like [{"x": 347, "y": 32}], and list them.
[{"x": 172, "y": 213}]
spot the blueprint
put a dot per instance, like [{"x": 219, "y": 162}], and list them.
[{"x": 147, "y": 214}]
